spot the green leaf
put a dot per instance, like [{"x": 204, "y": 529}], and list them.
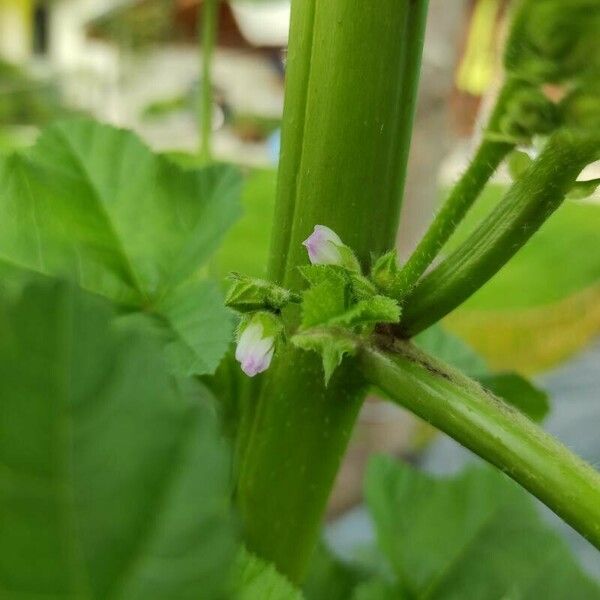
[
  {"x": 329, "y": 577},
  {"x": 246, "y": 246},
  {"x": 378, "y": 589},
  {"x": 511, "y": 387},
  {"x": 114, "y": 482},
  {"x": 93, "y": 203},
  {"x": 330, "y": 343},
  {"x": 378, "y": 309},
  {"x": 452, "y": 350},
  {"x": 328, "y": 296},
  {"x": 475, "y": 536},
  {"x": 256, "y": 579},
  {"x": 331, "y": 301}
]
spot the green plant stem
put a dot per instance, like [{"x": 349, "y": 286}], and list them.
[
  {"x": 490, "y": 153},
  {"x": 529, "y": 202},
  {"x": 351, "y": 84},
  {"x": 488, "y": 157},
  {"x": 495, "y": 431},
  {"x": 346, "y": 128},
  {"x": 209, "y": 17}
]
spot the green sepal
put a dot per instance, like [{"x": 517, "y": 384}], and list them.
[
  {"x": 360, "y": 287},
  {"x": 333, "y": 300},
  {"x": 349, "y": 260},
  {"x": 330, "y": 343},
  {"x": 328, "y": 296},
  {"x": 385, "y": 273},
  {"x": 272, "y": 325},
  {"x": 249, "y": 294},
  {"x": 378, "y": 309}
]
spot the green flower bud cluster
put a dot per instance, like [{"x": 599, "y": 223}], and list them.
[
  {"x": 339, "y": 305},
  {"x": 528, "y": 112},
  {"x": 261, "y": 326},
  {"x": 580, "y": 109},
  {"x": 554, "y": 40}
]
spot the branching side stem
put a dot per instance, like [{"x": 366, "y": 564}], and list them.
[
  {"x": 486, "y": 425},
  {"x": 526, "y": 206},
  {"x": 209, "y": 20}
]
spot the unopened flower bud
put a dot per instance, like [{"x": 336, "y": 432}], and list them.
[
  {"x": 256, "y": 343},
  {"x": 326, "y": 248}
]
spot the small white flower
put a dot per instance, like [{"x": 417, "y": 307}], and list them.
[
  {"x": 254, "y": 350},
  {"x": 324, "y": 246}
]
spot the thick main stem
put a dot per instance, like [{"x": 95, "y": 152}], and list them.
[
  {"x": 490, "y": 428},
  {"x": 350, "y": 93},
  {"x": 209, "y": 17}
]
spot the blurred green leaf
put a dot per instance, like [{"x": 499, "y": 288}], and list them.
[
  {"x": 256, "y": 579},
  {"x": 475, "y": 536},
  {"x": 246, "y": 246},
  {"x": 452, "y": 350},
  {"x": 378, "y": 589},
  {"x": 113, "y": 480},
  {"x": 519, "y": 392},
  {"x": 512, "y": 387},
  {"x": 93, "y": 203},
  {"x": 331, "y": 578},
  {"x": 27, "y": 99}
]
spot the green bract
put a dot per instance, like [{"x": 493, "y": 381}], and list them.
[{"x": 338, "y": 300}]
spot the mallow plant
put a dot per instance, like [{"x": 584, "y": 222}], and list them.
[{"x": 161, "y": 441}]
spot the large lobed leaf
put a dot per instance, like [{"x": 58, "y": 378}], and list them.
[
  {"x": 113, "y": 480},
  {"x": 475, "y": 536},
  {"x": 93, "y": 203}
]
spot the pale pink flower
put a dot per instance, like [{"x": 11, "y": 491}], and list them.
[
  {"x": 324, "y": 246},
  {"x": 254, "y": 350}
]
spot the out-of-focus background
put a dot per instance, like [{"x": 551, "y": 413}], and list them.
[{"x": 137, "y": 64}]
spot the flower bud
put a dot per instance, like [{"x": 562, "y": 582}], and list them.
[
  {"x": 326, "y": 248},
  {"x": 256, "y": 342},
  {"x": 249, "y": 294}
]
